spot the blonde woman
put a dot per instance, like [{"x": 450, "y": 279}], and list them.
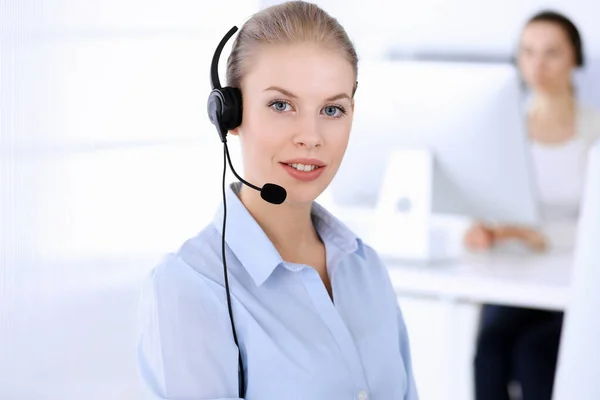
[{"x": 315, "y": 313}]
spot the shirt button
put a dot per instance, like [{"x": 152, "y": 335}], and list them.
[{"x": 362, "y": 395}]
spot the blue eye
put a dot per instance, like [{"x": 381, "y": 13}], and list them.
[
  {"x": 280, "y": 106},
  {"x": 334, "y": 111}
]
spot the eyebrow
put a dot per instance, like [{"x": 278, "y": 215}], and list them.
[{"x": 293, "y": 96}]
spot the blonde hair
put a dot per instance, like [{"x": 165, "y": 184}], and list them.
[{"x": 287, "y": 23}]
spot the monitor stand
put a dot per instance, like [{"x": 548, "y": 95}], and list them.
[{"x": 404, "y": 226}]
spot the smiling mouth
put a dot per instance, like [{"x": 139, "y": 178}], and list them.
[{"x": 304, "y": 167}]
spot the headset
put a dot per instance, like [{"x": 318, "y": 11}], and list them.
[{"x": 225, "y": 112}]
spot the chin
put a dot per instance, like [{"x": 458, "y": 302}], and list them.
[
  {"x": 544, "y": 86},
  {"x": 299, "y": 198},
  {"x": 302, "y": 194}
]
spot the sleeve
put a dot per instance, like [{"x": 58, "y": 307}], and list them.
[
  {"x": 185, "y": 345},
  {"x": 411, "y": 392}
]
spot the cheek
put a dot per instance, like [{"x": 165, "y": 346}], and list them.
[
  {"x": 262, "y": 135},
  {"x": 557, "y": 72},
  {"x": 339, "y": 138},
  {"x": 561, "y": 67},
  {"x": 526, "y": 68}
]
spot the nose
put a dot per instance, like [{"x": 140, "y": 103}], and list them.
[
  {"x": 539, "y": 62},
  {"x": 309, "y": 133}
]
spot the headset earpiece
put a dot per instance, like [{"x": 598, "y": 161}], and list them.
[
  {"x": 224, "y": 103},
  {"x": 225, "y": 110}
]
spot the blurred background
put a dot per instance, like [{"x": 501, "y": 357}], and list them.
[{"x": 108, "y": 161}]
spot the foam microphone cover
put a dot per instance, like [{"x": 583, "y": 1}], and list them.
[{"x": 273, "y": 194}]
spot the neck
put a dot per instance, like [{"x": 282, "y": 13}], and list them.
[
  {"x": 288, "y": 226},
  {"x": 560, "y": 105}
]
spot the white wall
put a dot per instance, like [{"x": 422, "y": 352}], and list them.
[
  {"x": 473, "y": 27},
  {"x": 107, "y": 160},
  {"x": 481, "y": 25}
]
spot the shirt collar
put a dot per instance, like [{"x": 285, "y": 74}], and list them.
[{"x": 254, "y": 250}]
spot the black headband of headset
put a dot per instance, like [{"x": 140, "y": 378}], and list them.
[{"x": 214, "y": 67}]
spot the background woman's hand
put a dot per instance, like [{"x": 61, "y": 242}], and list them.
[
  {"x": 483, "y": 237},
  {"x": 532, "y": 238},
  {"x": 479, "y": 237}
]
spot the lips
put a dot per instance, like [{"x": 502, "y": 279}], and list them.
[{"x": 304, "y": 169}]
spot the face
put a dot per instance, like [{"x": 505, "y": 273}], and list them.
[
  {"x": 546, "y": 57},
  {"x": 297, "y": 118}
]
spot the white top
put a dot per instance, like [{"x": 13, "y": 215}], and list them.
[{"x": 560, "y": 173}]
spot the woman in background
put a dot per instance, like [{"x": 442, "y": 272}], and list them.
[{"x": 518, "y": 344}]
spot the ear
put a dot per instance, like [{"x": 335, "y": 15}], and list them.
[{"x": 235, "y": 132}]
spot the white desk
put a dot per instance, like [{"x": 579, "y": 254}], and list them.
[
  {"x": 506, "y": 276},
  {"x": 526, "y": 280}
]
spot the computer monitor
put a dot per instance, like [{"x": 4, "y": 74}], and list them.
[
  {"x": 579, "y": 358},
  {"x": 469, "y": 115}
]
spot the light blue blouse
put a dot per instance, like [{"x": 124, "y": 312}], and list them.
[{"x": 295, "y": 342}]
